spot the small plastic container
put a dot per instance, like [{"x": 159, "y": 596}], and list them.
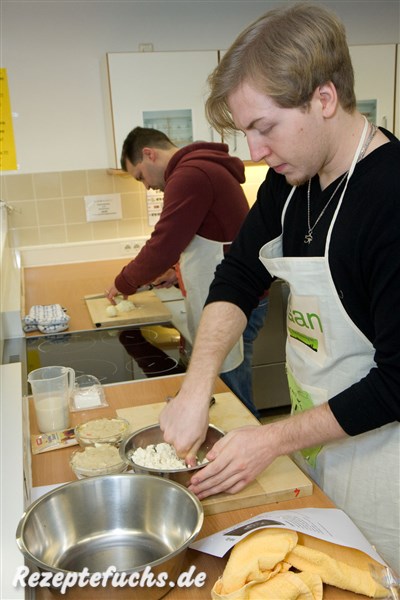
[
  {"x": 88, "y": 394},
  {"x": 102, "y": 459},
  {"x": 101, "y": 431}
]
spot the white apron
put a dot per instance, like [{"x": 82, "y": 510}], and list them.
[
  {"x": 197, "y": 265},
  {"x": 326, "y": 353}
]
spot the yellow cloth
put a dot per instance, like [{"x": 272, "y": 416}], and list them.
[
  {"x": 255, "y": 556},
  {"x": 258, "y": 568},
  {"x": 282, "y": 585},
  {"x": 245, "y": 591},
  {"x": 336, "y": 572},
  {"x": 291, "y": 586}
]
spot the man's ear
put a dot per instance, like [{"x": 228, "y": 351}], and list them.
[
  {"x": 149, "y": 153},
  {"x": 327, "y": 96}
]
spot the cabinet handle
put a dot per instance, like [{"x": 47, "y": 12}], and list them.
[
  {"x": 384, "y": 122},
  {"x": 212, "y": 134}
]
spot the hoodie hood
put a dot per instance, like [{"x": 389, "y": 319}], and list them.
[{"x": 207, "y": 152}]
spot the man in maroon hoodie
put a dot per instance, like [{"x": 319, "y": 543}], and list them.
[{"x": 204, "y": 208}]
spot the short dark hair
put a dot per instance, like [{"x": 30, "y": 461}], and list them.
[{"x": 139, "y": 138}]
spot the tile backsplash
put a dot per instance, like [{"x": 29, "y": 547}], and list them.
[{"x": 49, "y": 208}]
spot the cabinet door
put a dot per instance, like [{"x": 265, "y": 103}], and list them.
[
  {"x": 164, "y": 90},
  {"x": 238, "y": 145},
  {"x": 374, "y": 71},
  {"x": 270, "y": 386},
  {"x": 236, "y": 140}
]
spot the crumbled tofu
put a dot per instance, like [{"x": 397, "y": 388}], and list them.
[{"x": 159, "y": 456}]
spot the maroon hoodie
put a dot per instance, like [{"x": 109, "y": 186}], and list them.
[{"x": 202, "y": 196}]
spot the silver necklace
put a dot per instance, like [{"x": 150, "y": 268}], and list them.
[{"x": 308, "y": 238}]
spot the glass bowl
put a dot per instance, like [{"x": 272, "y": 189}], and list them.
[
  {"x": 101, "y": 431},
  {"x": 101, "y": 459}
]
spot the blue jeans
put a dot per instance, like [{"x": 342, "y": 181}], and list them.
[{"x": 240, "y": 379}]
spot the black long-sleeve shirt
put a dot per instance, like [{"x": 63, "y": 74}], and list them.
[{"x": 364, "y": 258}]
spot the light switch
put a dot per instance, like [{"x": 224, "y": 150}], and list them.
[{"x": 104, "y": 207}]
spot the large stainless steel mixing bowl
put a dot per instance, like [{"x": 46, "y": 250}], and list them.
[
  {"x": 153, "y": 435},
  {"x": 127, "y": 521}
]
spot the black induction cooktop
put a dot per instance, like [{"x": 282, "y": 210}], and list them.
[{"x": 112, "y": 355}]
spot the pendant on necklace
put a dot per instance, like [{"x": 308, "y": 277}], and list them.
[{"x": 308, "y": 238}]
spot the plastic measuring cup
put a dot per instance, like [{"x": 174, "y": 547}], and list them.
[{"x": 51, "y": 390}]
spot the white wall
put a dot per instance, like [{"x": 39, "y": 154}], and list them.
[
  {"x": 10, "y": 286},
  {"x": 54, "y": 53}
]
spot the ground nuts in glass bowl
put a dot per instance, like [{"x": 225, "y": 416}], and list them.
[
  {"x": 100, "y": 459},
  {"x": 101, "y": 431}
]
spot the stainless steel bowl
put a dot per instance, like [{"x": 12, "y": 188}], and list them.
[
  {"x": 127, "y": 521},
  {"x": 153, "y": 435}
]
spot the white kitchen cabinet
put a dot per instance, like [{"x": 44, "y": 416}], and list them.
[
  {"x": 164, "y": 90},
  {"x": 375, "y": 76},
  {"x": 236, "y": 140},
  {"x": 167, "y": 91},
  {"x": 238, "y": 145}
]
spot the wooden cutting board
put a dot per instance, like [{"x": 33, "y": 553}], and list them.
[
  {"x": 148, "y": 309},
  {"x": 282, "y": 480}
]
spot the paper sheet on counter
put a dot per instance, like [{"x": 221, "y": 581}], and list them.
[
  {"x": 329, "y": 524},
  {"x": 40, "y": 490}
]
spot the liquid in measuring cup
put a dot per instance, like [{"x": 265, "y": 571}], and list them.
[
  {"x": 51, "y": 415},
  {"x": 52, "y": 388}
]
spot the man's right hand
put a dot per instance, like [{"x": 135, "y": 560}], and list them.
[
  {"x": 111, "y": 292},
  {"x": 184, "y": 424},
  {"x": 184, "y": 420}
]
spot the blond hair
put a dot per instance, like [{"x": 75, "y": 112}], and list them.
[{"x": 286, "y": 54}]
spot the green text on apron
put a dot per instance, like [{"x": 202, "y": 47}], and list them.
[{"x": 326, "y": 353}]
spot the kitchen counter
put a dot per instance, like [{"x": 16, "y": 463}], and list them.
[
  {"x": 67, "y": 285},
  {"x": 53, "y": 467}
]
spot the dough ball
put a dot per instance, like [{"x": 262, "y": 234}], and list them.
[
  {"x": 111, "y": 311},
  {"x": 125, "y": 306}
]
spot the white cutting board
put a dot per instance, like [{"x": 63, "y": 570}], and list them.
[
  {"x": 148, "y": 309},
  {"x": 282, "y": 480}
]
